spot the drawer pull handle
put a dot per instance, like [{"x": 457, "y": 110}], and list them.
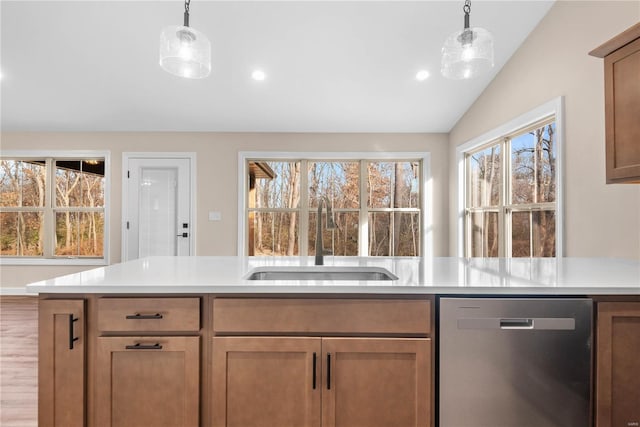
[
  {"x": 72, "y": 339},
  {"x": 138, "y": 346},
  {"x": 314, "y": 369},
  {"x": 139, "y": 316},
  {"x": 328, "y": 371}
]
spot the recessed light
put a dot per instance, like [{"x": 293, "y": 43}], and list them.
[
  {"x": 258, "y": 75},
  {"x": 422, "y": 75}
]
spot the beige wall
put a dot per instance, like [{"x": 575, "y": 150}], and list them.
[
  {"x": 217, "y": 188},
  {"x": 600, "y": 220}
]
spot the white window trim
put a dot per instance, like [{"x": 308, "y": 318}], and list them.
[
  {"x": 426, "y": 225},
  {"x": 553, "y": 107},
  {"x": 79, "y": 154}
]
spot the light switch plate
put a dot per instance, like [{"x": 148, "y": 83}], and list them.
[{"x": 215, "y": 216}]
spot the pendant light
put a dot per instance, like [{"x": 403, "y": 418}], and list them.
[
  {"x": 468, "y": 52},
  {"x": 184, "y": 51}
]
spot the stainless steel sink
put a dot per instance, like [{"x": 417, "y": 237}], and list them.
[{"x": 320, "y": 273}]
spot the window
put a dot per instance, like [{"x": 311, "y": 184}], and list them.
[
  {"x": 53, "y": 208},
  {"x": 510, "y": 205},
  {"x": 376, "y": 205}
]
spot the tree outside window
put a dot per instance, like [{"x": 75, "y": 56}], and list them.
[
  {"x": 511, "y": 195},
  {"x": 377, "y": 202},
  {"x": 52, "y": 208}
]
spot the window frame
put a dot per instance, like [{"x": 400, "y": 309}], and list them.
[
  {"x": 50, "y": 208},
  {"x": 502, "y": 135},
  {"x": 426, "y": 244}
]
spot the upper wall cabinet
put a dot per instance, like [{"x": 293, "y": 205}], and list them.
[{"x": 622, "y": 105}]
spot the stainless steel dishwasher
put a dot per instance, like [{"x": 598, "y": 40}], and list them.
[{"x": 509, "y": 362}]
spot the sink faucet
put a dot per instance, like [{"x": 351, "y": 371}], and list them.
[{"x": 330, "y": 225}]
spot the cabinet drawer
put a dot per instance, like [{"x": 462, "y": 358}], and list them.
[
  {"x": 148, "y": 314},
  {"x": 321, "y": 316}
]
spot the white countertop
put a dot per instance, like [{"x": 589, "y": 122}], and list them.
[{"x": 473, "y": 276}]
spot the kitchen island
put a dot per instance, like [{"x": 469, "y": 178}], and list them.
[{"x": 190, "y": 341}]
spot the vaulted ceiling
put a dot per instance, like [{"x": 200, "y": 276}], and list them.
[{"x": 331, "y": 66}]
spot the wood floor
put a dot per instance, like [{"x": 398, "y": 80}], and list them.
[{"x": 18, "y": 361}]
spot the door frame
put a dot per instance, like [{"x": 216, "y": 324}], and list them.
[{"x": 153, "y": 155}]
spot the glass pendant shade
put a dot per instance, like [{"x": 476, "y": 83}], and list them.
[
  {"x": 185, "y": 52},
  {"x": 467, "y": 53}
]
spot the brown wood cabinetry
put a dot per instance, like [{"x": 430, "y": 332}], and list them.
[
  {"x": 622, "y": 105},
  {"x": 324, "y": 378},
  {"x": 149, "y": 314},
  {"x": 376, "y": 382},
  {"x": 618, "y": 364},
  {"x": 148, "y": 381},
  {"x": 300, "y": 362},
  {"x": 61, "y": 363},
  {"x": 266, "y": 381},
  {"x": 145, "y": 375},
  {"x": 255, "y": 361},
  {"x": 318, "y": 315}
]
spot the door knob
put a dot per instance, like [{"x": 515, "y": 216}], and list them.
[{"x": 183, "y": 235}]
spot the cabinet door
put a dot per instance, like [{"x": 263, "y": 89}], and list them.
[
  {"x": 147, "y": 381},
  {"x": 618, "y": 365},
  {"x": 61, "y": 363},
  {"x": 622, "y": 109},
  {"x": 266, "y": 382},
  {"x": 372, "y": 382}
]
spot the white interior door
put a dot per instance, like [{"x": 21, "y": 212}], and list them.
[{"x": 158, "y": 208}]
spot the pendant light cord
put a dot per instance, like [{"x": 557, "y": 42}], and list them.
[
  {"x": 467, "y": 10},
  {"x": 187, "y": 3}
]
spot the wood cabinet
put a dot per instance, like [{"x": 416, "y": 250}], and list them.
[
  {"x": 622, "y": 105},
  {"x": 147, "y": 362},
  {"x": 381, "y": 379},
  {"x": 313, "y": 382},
  {"x": 266, "y": 381},
  {"x": 299, "y": 362},
  {"x": 376, "y": 382},
  {"x": 61, "y": 363},
  {"x": 152, "y": 381},
  {"x": 258, "y": 361},
  {"x": 618, "y": 364}
]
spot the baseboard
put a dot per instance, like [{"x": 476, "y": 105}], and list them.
[{"x": 16, "y": 292}]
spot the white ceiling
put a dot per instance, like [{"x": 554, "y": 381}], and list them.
[{"x": 332, "y": 66}]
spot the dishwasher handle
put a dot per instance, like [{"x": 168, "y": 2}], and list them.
[
  {"x": 516, "y": 323},
  {"x": 519, "y": 323}
]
